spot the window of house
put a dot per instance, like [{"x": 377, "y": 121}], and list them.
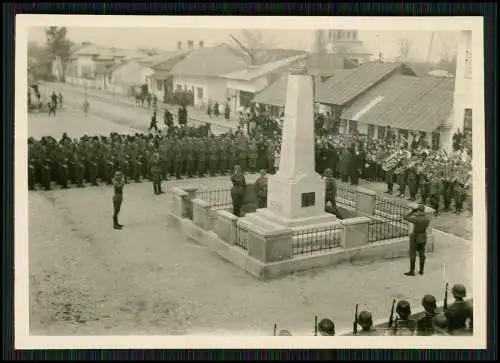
[
  {"x": 199, "y": 93},
  {"x": 159, "y": 85},
  {"x": 436, "y": 140},
  {"x": 371, "y": 131},
  {"x": 381, "y": 132},
  {"x": 467, "y": 120}
]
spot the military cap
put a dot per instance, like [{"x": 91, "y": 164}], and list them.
[
  {"x": 285, "y": 333},
  {"x": 403, "y": 308},
  {"x": 365, "y": 319},
  {"x": 429, "y": 300},
  {"x": 459, "y": 290},
  {"x": 326, "y": 327}
]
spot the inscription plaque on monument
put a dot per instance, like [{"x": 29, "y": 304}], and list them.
[{"x": 308, "y": 199}]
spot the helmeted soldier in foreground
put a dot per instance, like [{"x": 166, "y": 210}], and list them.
[
  {"x": 403, "y": 326},
  {"x": 418, "y": 238},
  {"x": 118, "y": 183},
  {"x": 326, "y": 327},
  {"x": 365, "y": 320},
  {"x": 460, "y": 312},
  {"x": 424, "y": 324}
]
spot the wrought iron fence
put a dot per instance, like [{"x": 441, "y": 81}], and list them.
[
  {"x": 241, "y": 237},
  {"x": 218, "y": 197},
  {"x": 346, "y": 194},
  {"x": 379, "y": 230},
  {"x": 315, "y": 240},
  {"x": 390, "y": 209}
]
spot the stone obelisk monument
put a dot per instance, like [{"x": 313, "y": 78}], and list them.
[{"x": 296, "y": 193}]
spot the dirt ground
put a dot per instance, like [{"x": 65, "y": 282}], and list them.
[{"x": 88, "y": 279}]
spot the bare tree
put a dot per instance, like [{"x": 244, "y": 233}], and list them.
[
  {"x": 448, "y": 59},
  {"x": 403, "y": 48},
  {"x": 252, "y": 42}
]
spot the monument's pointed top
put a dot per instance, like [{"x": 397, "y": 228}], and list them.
[{"x": 299, "y": 69}]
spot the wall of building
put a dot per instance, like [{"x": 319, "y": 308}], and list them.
[
  {"x": 128, "y": 75},
  {"x": 211, "y": 88},
  {"x": 235, "y": 86},
  {"x": 85, "y": 64}
]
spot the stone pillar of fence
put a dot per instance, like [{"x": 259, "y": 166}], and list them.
[
  {"x": 355, "y": 232},
  {"x": 201, "y": 213},
  {"x": 269, "y": 246},
  {"x": 179, "y": 197},
  {"x": 226, "y": 226},
  {"x": 365, "y": 201},
  {"x": 429, "y": 212}
]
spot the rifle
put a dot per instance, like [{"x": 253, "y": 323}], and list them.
[
  {"x": 445, "y": 304},
  {"x": 355, "y": 323},
  {"x": 275, "y": 327},
  {"x": 391, "y": 317},
  {"x": 315, "y": 325}
]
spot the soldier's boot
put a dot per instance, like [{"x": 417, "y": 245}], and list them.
[
  {"x": 422, "y": 264},
  {"x": 390, "y": 187},
  {"x": 413, "y": 260},
  {"x": 156, "y": 190},
  {"x": 116, "y": 225}
]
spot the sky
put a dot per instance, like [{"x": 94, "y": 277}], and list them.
[{"x": 165, "y": 38}]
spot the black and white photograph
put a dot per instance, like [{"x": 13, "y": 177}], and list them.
[{"x": 191, "y": 182}]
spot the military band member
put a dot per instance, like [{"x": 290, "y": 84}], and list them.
[
  {"x": 118, "y": 184},
  {"x": 418, "y": 238},
  {"x": 459, "y": 196},
  {"x": 447, "y": 194},
  {"x": 413, "y": 181},
  {"x": 435, "y": 191},
  {"x": 261, "y": 189},
  {"x": 365, "y": 320},
  {"x": 238, "y": 190}
]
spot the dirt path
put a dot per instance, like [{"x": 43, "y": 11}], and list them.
[{"x": 87, "y": 279}]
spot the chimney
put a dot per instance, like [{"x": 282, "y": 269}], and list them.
[
  {"x": 179, "y": 45},
  {"x": 201, "y": 44},
  {"x": 190, "y": 44}
]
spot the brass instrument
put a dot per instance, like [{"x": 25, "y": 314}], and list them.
[{"x": 392, "y": 161}]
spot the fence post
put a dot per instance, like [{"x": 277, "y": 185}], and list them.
[
  {"x": 201, "y": 213},
  {"x": 365, "y": 201},
  {"x": 226, "y": 226},
  {"x": 269, "y": 246},
  {"x": 355, "y": 232},
  {"x": 179, "y": 197}
]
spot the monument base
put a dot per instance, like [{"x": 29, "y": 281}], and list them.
[{"x": 266, "y": 220}]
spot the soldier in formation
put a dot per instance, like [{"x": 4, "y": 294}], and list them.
[
  {"x": 238, "y": 190},
  {"x": 326, "y": 327},
  {"x": 460, "y": 313},
  {"x": 404, "y": 325}
]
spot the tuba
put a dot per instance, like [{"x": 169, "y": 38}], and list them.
[{"x": 392, "y": 161}]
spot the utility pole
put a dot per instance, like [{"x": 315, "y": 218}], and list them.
[{"x": 429, "y": 54}]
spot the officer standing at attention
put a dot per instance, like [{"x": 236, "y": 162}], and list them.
[
  {"x": 118, "y": 183},
  {"x": 365, "y": 320},
  {"x": 418, "y": 238},
  {"x": 403, "y": 326},
  {"x": 460, "y": 311},
  {"x": 424, "y": 324},
  {"x": 261, "y": 189},
  {"x": 238, "y": 190},
  {"x": 155, "y": 173}
]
